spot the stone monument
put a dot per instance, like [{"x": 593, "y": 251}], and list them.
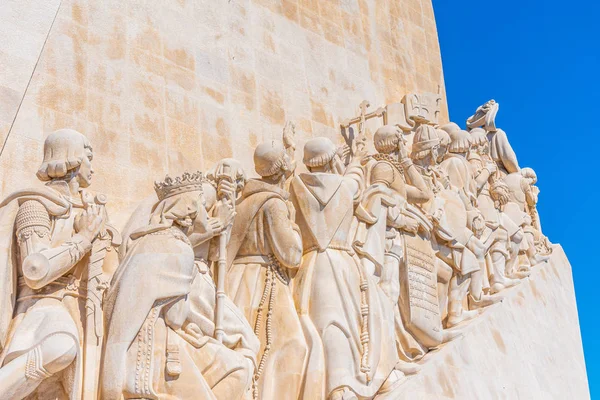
[{"x": 264, "y": 199}]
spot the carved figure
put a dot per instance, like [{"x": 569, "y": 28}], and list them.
[
  {"x": 346, "y": 318},
  {"x": 263, "y": 254},
  {"x": 506, "y": 244},
  {"x": 500, "y": 149},
  {"x": 163, "y": 346},
  {"x": 48, "y": 234},
  {"x": 387, "y": 217},
  {"x": 523, "y": 196},
  {"x": 458, "y": 246}
]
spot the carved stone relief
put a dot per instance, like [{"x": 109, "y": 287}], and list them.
[{"x": 326, "y": 279}]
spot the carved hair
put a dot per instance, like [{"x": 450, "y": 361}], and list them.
[
  {"x": 386, "y": 139},
  {"x": 64, "y": 151},
  {"x": 461, "y": 141},
  {"x": 478, "y": 137},
  {"x": 318, "y": 152},
  {"x": 529, "y": 173},
  {"x": 270, "y": 159}
]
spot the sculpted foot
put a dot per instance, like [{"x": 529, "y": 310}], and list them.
[
  {"x": 505, "y": 284},
  {"x": 455, "y": 319},
  {"x": 538, "y": 259},
  {"x": 343, "y": 394},
  {"x": 483, "y": 301},
  {"x": 451, "y": 334}
]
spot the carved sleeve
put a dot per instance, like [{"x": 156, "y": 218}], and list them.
[
  {"x": 282, "y": 233},
  {"x": 417, "y": 191},
  {"x": 40, "y": 262}
]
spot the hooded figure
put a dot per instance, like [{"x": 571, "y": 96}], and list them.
[
  {"x": 159, "y": 313},
  {"x": 264, "y": 252},
  {"x": 347, "y": 319}
]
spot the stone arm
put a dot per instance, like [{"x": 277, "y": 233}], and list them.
[
  {"x": 417, "y": 191},
  {"x": 396, "y": 219},
  {"x": 282, "y": 233},
  {"x": 481, "y": 178},
  {"x": 41, "y": 263}
]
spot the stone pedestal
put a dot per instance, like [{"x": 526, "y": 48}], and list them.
[{"x": 527, "y": 347}]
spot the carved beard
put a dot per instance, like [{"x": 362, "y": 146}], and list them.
[{"x": 185, "y": 224}]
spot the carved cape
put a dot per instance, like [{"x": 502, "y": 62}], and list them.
[{"x": 57, "y": 207}]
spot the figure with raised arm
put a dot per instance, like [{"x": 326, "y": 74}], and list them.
[
  {"x": 263, "y": 255},
  {"x": 347, "y": 319}
]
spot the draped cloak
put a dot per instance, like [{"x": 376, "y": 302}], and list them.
[
  {"x": 332, "y": 287},
  {"x": 24, "y": 325},
  {"x": 502, "y": 152},
  {"x": 137, "y": 330},
  {"x": 263, "y": 232},
  {"x": 381, "y": 245}
]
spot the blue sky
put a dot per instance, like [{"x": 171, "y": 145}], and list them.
[{"x": 541, "y": 61}]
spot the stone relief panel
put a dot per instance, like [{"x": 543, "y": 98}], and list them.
[{"x": 330, "y": 276}]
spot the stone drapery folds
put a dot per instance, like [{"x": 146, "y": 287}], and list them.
[{"x": 330, "y": 282}]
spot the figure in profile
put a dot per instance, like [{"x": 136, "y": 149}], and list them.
[
  {"x": 54, "y": 244},
  {"x": 161, "y": 344},
  {"x": 347, "y": 319},
  {"x": 264, "y": 253}
]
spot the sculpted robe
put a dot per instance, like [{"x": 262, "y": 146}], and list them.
[
  {"x": 502, "y": 152},
  {"x": 263, "y": 233},
  {"x": 40, "y": 220},
  {"x": 159, "y": 312},
  {"x": 332, "y": 287},
  {"x": 381, "y": 247},
  {"x": 459, "y": 174}
]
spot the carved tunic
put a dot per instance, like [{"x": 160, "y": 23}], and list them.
[
  {"x": 48, "y": 305},
  {"x": 270, "y": 250},
  {"x": 346, "y": 318}
]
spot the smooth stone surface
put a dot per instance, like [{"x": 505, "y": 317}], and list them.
[{"x": 527, "y": 347}]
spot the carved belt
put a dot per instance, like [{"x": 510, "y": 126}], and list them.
[
  {"x": 255, "y": 259},
  {"x": 330, "y": 247},
  {"x": 58, "y": 289}
]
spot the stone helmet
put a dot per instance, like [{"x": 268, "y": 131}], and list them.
[
  {"x": 386, "y": 138},
  {"x": 270, "y": 158},
  {"x": 425, "y": 139},
  {"x": 64, "y": 150},
  {"x": 318, "y": 152}
]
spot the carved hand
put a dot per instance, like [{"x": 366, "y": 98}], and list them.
[
  {"x": 89, "y": 223},
  {"x": 226, "y": 189},
  {"x": 492, "y": 167},
  {"x": 411, "y": 225},
  {"x": 344, "y": 152},
  {"x": 402, "y": 150}
]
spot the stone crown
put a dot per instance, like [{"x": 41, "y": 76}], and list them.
[{"x": 180, "y": 184}]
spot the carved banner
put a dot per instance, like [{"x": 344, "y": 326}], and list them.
[{"x": 419, "y": 298}]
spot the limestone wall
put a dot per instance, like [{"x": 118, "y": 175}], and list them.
[
  {"x": 528, "y": 347},
  {"x": 160, "y": 86}
]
